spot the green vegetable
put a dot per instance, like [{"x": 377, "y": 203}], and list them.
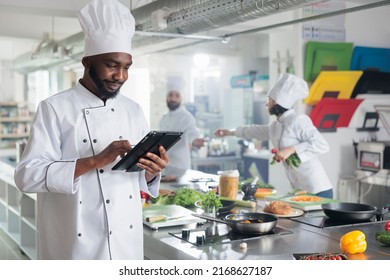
[
  {"x": 242, "y": 203},
  {"x": 384, "y": 239},
  {"x": 162, "y": 200},
  {"x": 292, "y": 161},
  {"x": 186, "y": 197},
  {"x": 210, "y": 201},
  {"x": 382, "y": 233},
  {"x": 259, "y": 184}
]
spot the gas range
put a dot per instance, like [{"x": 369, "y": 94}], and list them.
[
  {"x": 325, "y": 222},
  {"x": 220, "y": 234}
]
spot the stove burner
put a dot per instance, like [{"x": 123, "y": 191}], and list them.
[
  {"x": 325, "y": 222},
  {"x": 220, "y": 234}
]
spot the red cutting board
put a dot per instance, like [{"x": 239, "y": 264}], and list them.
[{"x": 343, "y": 108}]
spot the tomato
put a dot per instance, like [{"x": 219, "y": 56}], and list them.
[
  {"x": 274, "y": 151},
  {"x": 145, "y": 196},
  {"x": 387, "y": 226}
]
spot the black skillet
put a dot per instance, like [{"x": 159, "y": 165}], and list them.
[{"x": 347, "y": 211}]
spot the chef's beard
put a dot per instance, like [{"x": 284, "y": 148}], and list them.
[
  {"x": 277, "y": 110},
  {"x": 173, "y": 105},
  {"x": 102, "y": 92}
]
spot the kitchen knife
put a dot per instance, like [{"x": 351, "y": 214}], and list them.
[{"x": 161, "y": 218}]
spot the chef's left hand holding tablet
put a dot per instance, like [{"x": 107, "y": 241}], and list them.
[{"x": 154, "y": 164}]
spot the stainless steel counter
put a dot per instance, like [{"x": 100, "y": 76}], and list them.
[
  {"x": 303, "y": 239},
  {"x": 160, "y": 244}
]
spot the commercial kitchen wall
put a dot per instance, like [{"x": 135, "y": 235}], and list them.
[
  {"x": 370, "y": 28},
  {"x": 365, "y": 28}
]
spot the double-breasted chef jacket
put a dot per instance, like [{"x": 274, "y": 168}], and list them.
[
  {"x": 292, "y": 129},
  {"x": 98, "y": 215}
]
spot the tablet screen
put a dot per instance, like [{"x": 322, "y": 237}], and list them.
[{"x": 150, "y": 143}]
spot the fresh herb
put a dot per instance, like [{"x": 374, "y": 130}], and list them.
[
  {"x": 292, "y": 161},
  {"x": 210, "y": 201}
]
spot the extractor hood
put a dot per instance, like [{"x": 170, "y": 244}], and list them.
[{"x": 163, "y": 20}]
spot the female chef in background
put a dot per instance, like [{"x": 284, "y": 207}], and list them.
[{"x": 291, "y": 133}]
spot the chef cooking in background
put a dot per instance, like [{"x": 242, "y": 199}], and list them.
[
  {"x": 290, "y": 134},
  {"x": 179, "y": 119},
  {"x": 86, "y": 210}
]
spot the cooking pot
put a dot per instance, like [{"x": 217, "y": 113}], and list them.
[
  {"x": 347, "y": 211},
  {"x": 247, "y": 223},
  {"x": 227, "y": 205}
]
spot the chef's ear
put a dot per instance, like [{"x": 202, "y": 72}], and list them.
[{"x": 86, "y": 61}]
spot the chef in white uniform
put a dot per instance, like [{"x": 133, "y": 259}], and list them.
[
  {"x": 291, "y": 133},
  {"x": 179, "y": 119},
  {"x": 86, "y": 210}
]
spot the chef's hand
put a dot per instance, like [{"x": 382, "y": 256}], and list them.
[
  {"x": 223, "y": 132},
  {"x": 199, "y": 142},
  {"x": 283, "y": 154},
  {"x": 153, "y": 164},
  {"x": 107, "y": 156}
]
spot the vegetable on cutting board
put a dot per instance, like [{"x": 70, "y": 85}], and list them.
[
  {"x": 353, "y": 242},
  {"x": 387, "y": 226}
]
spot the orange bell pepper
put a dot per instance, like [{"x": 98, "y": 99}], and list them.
[{"x": 353, "y": 242}]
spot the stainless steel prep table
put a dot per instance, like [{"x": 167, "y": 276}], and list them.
[{"x": 304, "y": 239}]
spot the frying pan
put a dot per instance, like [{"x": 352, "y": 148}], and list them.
[
  {"x": 261, "y": 223},
  {"x": 347, "y": 211}
]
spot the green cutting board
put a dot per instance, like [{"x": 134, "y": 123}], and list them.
[{"x": 305, "y": 206}]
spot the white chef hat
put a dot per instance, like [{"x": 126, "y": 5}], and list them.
[
  {"x": 108, "y": 27},
  {"x": 288, "y": 89}
]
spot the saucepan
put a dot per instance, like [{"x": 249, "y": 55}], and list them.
[
  {"x": 347, "y": 211},
  {"x": 247, "y": 223}
]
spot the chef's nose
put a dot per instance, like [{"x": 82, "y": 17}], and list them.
[{"x": 120, "y": 74}]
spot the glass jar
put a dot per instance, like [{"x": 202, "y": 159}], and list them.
[{"x": 228, "y": 183}]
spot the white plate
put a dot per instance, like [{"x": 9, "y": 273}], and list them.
[{"x": 293, "y": 213}]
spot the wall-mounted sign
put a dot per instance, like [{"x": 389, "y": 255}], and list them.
[
  {"x": 326, "y": 29},
  {"x": 242, "y": 81}
]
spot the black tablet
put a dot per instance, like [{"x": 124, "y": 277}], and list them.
[{"x": 150, "y": 143}]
